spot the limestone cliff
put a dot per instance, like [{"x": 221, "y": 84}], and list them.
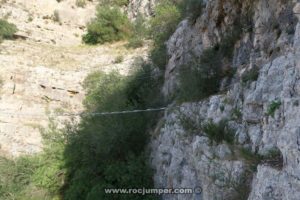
[
  {"x": 264, "y": 113},
  {"x": 42, "y": 71}
]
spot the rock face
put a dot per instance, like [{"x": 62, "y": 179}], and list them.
[
  {"x": 143, "y": 7},
  {"x": 46, "y": 20},
  {"x": 183, "y": 156},
  {"x": 42, "y": 73}
]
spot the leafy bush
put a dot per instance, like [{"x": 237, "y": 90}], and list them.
[
  {"x": 236, "y": 114},
  {"x": 190, "y": 123},
  {"x": 219, "y": 132},
  {"x": 80, "y": 3},
  {"x": 193, "y": 9},
  {"x": 201, "y": 77},
  {"x": 135, "y": 42},
  {"x": 140, "y": 32},
  {"x": 35, "y": 177},
  {"x": 272, "y": 158},
  {"x": 109, "y": 152},
  {"x": 251, "y": 158},
  {"x": 166, "y": 17},
  {"x": 109, "y": 25},
  {"x": 114, "y": 2},
  {"x": 14, "y": 176},
  {"x": 101, "y": 152},
  {"x": 7, "y": 30},
  {"x": 165, "y": 20},
  {"x": 251, "y": 75},
  {"x": 275, "y": 105},
  {"x": 119, "y": 59}
]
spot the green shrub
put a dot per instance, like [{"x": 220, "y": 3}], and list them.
[
  {"x": 272, "y": 158},
  {"x": 7, "y": 30},
  {"x": 109, "y": 151},
  {"x": 190, "y": 124},
  {"x": 237, "y": 114},
  {"x": 80, "y": 3},
  {"x": 250, "y": 75},
  {"x": 201, "y": 77},
  {"x": 219, "y": 132},
  {"x": 135, "y": 42},
  {"x": 14, "y": 176},
  {"x": 140, "y": 32},
  {"x": 165, "y": 20},
  {"x": 166, "y": 17},
  {"x": 194, "y": 9},
  {"x": 119, "y": 59},
  {"x": 242, "y": 24},
  {"x": 78, "y": 162},
  {"x": 251, "y": 158},
  {"x": 35, "y": 177},
  {"x": 275, "y": 105},
  {"x": 109, "y": 25},
  {"x": 118, "y": 3}
]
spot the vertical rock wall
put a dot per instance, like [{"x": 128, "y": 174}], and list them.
[{"x": 183, "y": 156}]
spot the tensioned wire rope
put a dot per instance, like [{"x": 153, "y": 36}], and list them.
[{"x": 137, "y": 77}]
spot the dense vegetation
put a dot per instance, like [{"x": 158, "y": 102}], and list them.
[
  {"x": 114, "y": 2},
  {"x": 35, "y": 177},
  {"x": 101, "y": 152},
  {"x": 109, "y": 25},
  {"x": 167, "y": 15},
  {"x": 109, "y": 151},
  {"x": 7, "y": 30}
]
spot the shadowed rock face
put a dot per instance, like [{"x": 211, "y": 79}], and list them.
[{"x": 185, "y": 159}]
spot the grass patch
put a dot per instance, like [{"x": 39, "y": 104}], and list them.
[
  {"x": 272, "y": 158},
  {"x": 250, "y": 75},
  {"x": 118, "y": 3},
  {"x": 219, "y": 132},
  {"x": 237, "y": 114},
  {"x": 191, "y": 125},
  {"x": 273, "y": 106}
]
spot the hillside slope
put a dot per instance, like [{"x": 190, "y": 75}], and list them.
[{"x": 43, "y": 69}]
